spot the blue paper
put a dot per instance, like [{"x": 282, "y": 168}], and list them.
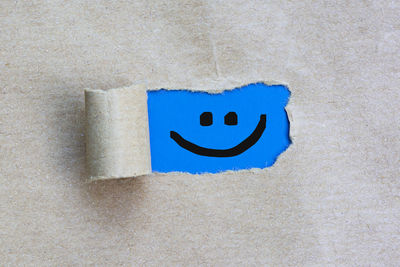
[{"x": 200, "y": 132}]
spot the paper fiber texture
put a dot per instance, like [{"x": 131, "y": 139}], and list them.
[
  {"x": 331, "y": 199},
  {"x": 117, "y": 133}
]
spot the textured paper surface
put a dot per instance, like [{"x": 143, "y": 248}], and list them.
[
  {"x": 117, "y": 133},
  {"x": 331, "y": 199}
]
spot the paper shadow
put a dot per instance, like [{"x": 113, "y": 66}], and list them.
[{"x": 66, "y": 147}]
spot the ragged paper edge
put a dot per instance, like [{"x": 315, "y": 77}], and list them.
[
  {"x": 118, "y": 117},
  {"x": 288, "y": 108}
]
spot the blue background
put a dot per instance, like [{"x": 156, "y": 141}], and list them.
[{"x": 180, "y": 110}]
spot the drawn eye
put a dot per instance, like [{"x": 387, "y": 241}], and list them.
[
  {"x": 231, "y": 118},
  {"x": 206, "y": 119}
]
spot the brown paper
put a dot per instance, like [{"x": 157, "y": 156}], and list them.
[
  {"x": 117, "y": 133},
  {"x": 331, "y": 199}
]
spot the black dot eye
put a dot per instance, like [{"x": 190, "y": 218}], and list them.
[
  {"x": 231, "y": 118},
  {"x": 206, "y": 119}
]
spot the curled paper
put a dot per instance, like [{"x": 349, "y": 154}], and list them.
[
  {"x": 117, "y": 133},
  {"x": 132, "y": 131}
]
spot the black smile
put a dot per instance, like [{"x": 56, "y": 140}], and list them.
[{"x": 230, "y": 152}]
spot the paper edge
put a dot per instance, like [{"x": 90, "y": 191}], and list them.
[{"x": 142, "y": 86}]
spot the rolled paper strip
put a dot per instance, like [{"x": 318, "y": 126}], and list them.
[{"x": 117, "y": 133}]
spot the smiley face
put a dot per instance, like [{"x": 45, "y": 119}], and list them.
[
  {"x": 199, "y": 132},
  {"x": 230, "y": 119}
]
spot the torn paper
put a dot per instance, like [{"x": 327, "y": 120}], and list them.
[
  {"x": 187, "y": 131},
  {"x": 117, "y": 133}
]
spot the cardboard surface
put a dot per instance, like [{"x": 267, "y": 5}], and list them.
[{"x": 331, "y": 198}]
